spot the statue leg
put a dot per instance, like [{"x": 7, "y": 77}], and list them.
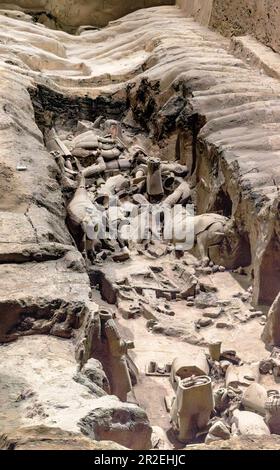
[
  {"x": 85, "y": 247},
  {"x": 202, "y": 245},
  {"x": 121, "y": 378},
  {"x": 91, "y": 250},
  {"x": 212, "y": 236}
]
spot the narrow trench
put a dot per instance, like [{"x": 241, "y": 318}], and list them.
[
  {"x": 153, "y": 343},
  {"x": 148, "y": 392}
]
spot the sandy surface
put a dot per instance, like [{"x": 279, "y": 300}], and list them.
[{"x": 37, "y": 386}]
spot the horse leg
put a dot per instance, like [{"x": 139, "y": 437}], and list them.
[{"x": 202, "y": 245}]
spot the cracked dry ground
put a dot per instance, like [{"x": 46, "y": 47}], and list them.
[{"x": 180, "y": 94}]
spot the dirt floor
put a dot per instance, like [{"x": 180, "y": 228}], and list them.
[{"x": 244, "y": 338}]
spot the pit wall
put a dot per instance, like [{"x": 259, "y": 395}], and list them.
[
  {"x": 260, "y": 18},
  {"x": 74, "y": 13}
]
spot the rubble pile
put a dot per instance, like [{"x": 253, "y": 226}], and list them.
[
  {"x": 116, "y": 194},
  {"x": 218, "y": 397},
  {"x": 114, "y": 179},
  {"x": 121, "y": 197}
]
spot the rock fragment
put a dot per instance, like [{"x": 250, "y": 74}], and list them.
[
  {"x": 218, "y": 431},
  {"x": 246, "y": 422},
  {"x": 254, "y": 399},
  {"x": 124, "y": 423}
]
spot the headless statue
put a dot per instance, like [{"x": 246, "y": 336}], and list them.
[
  {"x": 121, "y": 383},
  {"x": 192, "y": 407}
]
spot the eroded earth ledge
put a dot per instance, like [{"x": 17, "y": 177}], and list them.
[{"x": 111, "y": 339}]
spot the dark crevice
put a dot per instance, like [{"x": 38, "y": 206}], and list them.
[
  {"x": 52, "y": 108},
  {"x": 223, "y": 203}
]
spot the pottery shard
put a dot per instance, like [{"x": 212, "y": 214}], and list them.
[
  {"x": 213, "y": 313},
  {"x": 219, "y": 430},
  {"x": 205, "y": 300},
  {"x": 124, "y": 423},
  {"x": 189, "y": 289},
  {"x": 224, "y": 325},
  {"x": 242, "y": 375},
  {"x": 203, "y": 322},
  {"x": 249, "y": 423},
  {"x": 271, "y": 332},
  {"x": 254, "y": 399}
]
